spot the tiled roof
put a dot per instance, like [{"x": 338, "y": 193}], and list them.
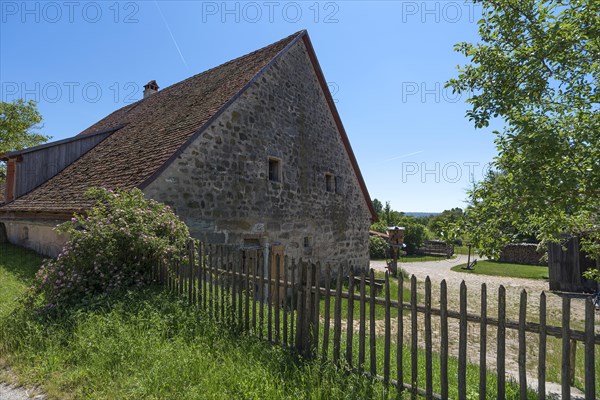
[{"x": 154, "y": 129}]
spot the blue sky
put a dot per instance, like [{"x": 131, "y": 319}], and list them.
[{"x": 386, "y": 63}]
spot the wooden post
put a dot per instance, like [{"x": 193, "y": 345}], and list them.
[
  {"x": 327, "y": 311},
  {"x": 294, "y": 294},
  {"x": 257, "y": 300},
  {"x": 590, "y": 373},
  {"x": 428, "y": 342},
  {"x": 277, "y": 299},
  {"x": 308, "y": 329},
  {"x": 240, "y": 283},
  {"x": 350, "y": 322},
  {"x": 222, "y": 277},
  {"x": 444, "y": 339},
  {"x": 372, "y": 332},
  {"x": 191, "y": 280},
  {"x": 413, "y": 336},
  {"x": 542, "y": 350},
  {"x": 483, "y": 344},
  {"x": 400, "y": 336},
  {"x": 210, "y": 282},
  {"x": 501, "y": 343},
  {"x": 566, "y": 348},
  {"x": 462, "y": 343},
  {"x": 362, "y": 325},
  {"x": 286, "y": 305},
  {"x": 387, "y": 334},
  {"x": 247, "y": 294},
  {"x": 300, "y": 307},
  {"x": 522, "y": 348},
  {"x": 337, "y": 317},
  {"x": 316, "y": 310},
  {"x": 269, "y": 300}
]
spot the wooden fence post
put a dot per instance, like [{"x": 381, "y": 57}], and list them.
[
  {"x": 590, "y": 373},
  {"x": 483, "y": 344},
  {"x": 566, "y": 348},
  {"x": 501, "y": 343}
]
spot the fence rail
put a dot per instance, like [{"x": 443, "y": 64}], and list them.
[{"x": 290, "y": 303}]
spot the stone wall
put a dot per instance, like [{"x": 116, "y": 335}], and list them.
[
  {"x": 522, "y": 253},
  {"x": 220, "y": 184},
  {"x": 36, "y": 235}
]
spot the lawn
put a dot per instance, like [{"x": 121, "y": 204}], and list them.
[
  {"x": 17, "y": 268},
  {"x": 495, "y": 268},
  {"x": 150, "y": 344}
]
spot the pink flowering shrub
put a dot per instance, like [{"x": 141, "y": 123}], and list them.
[{"x": 113, "y": 247}]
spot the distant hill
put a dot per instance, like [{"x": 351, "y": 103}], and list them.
[{"x": 420, "y": 214}]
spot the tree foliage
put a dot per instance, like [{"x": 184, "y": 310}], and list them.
[
  {"x": 377, "y": 248},
  {"x": 536, "y": 67},
  {"x": 415, "y": 231},
  {"x": 19, "y": 125}
]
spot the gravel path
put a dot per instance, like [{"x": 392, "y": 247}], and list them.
[
  {"x": 8, "y": 392},
  {"x": 441, "y": 269}
]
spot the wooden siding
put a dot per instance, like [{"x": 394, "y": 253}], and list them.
[
  {"x": 36, "y": 167},
  {"x": 566, "y": 266}
]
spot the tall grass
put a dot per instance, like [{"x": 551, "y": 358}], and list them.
[{"x": 149, "y": 344}]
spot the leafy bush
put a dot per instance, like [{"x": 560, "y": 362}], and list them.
[
  {"x": 377, "y": 247},
  {"x": 414, "y": 237},
  {"x": 113, "y": 247}
]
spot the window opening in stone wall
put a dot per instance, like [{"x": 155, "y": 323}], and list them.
[
  {"x": 25, "y": 233},
  {"x": 329, "y": 182},
  {"x": 274, "y": 169},
  {"x": 307, "y": 242}
]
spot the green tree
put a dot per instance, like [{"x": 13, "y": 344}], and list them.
[
  {"x": 537, "y": 67},
  {"x": 441, "y": 222},
  {"x": 19, "y": 128},
  {"x": 377, "y": 206}
]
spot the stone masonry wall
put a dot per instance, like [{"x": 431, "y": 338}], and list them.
[
  {"x": 522, "y": 253},
  {"x": 39, "y": 236},
  {"x": 220, "y": 184}
]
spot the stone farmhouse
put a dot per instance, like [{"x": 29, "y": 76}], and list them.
[{"x": 251, "y": 153}]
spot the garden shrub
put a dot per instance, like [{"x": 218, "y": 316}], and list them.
[
  {"x": 113, "y": 247},
  {"x": 414, "y": 237},
  {"x": 377, "y": 247}
]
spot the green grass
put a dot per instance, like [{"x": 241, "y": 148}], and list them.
[
  {"x": 17, "y": 268},
  {"x": 149, "y": 344},
  {"x": 379, "y": 309},
  {"x": 506, "y": 269}
]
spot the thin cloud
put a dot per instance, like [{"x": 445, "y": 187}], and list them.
[
  {"x": 402, "y": 156},
  {"x": 171, "y": 33}
]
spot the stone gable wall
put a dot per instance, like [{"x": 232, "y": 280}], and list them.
[{"x": 220, "y": 185}]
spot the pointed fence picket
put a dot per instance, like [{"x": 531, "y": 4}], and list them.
[{"x": 291, "y": 300}]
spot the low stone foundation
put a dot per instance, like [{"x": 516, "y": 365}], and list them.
[{"x": 38, "y": 236}]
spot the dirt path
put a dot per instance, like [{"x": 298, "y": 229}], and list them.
[{"x": 441, "y": 270}]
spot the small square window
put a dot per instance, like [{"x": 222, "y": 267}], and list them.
[
  {"x": 307, "y": 242},
  {"x": 329, "y": 184},
  {"x": 274, "y": 169}
]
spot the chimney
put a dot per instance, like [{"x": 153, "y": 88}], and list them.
[{"x": 150, "y": 88}]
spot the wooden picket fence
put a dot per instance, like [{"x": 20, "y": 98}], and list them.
[{"x": 289, "y": 303}]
